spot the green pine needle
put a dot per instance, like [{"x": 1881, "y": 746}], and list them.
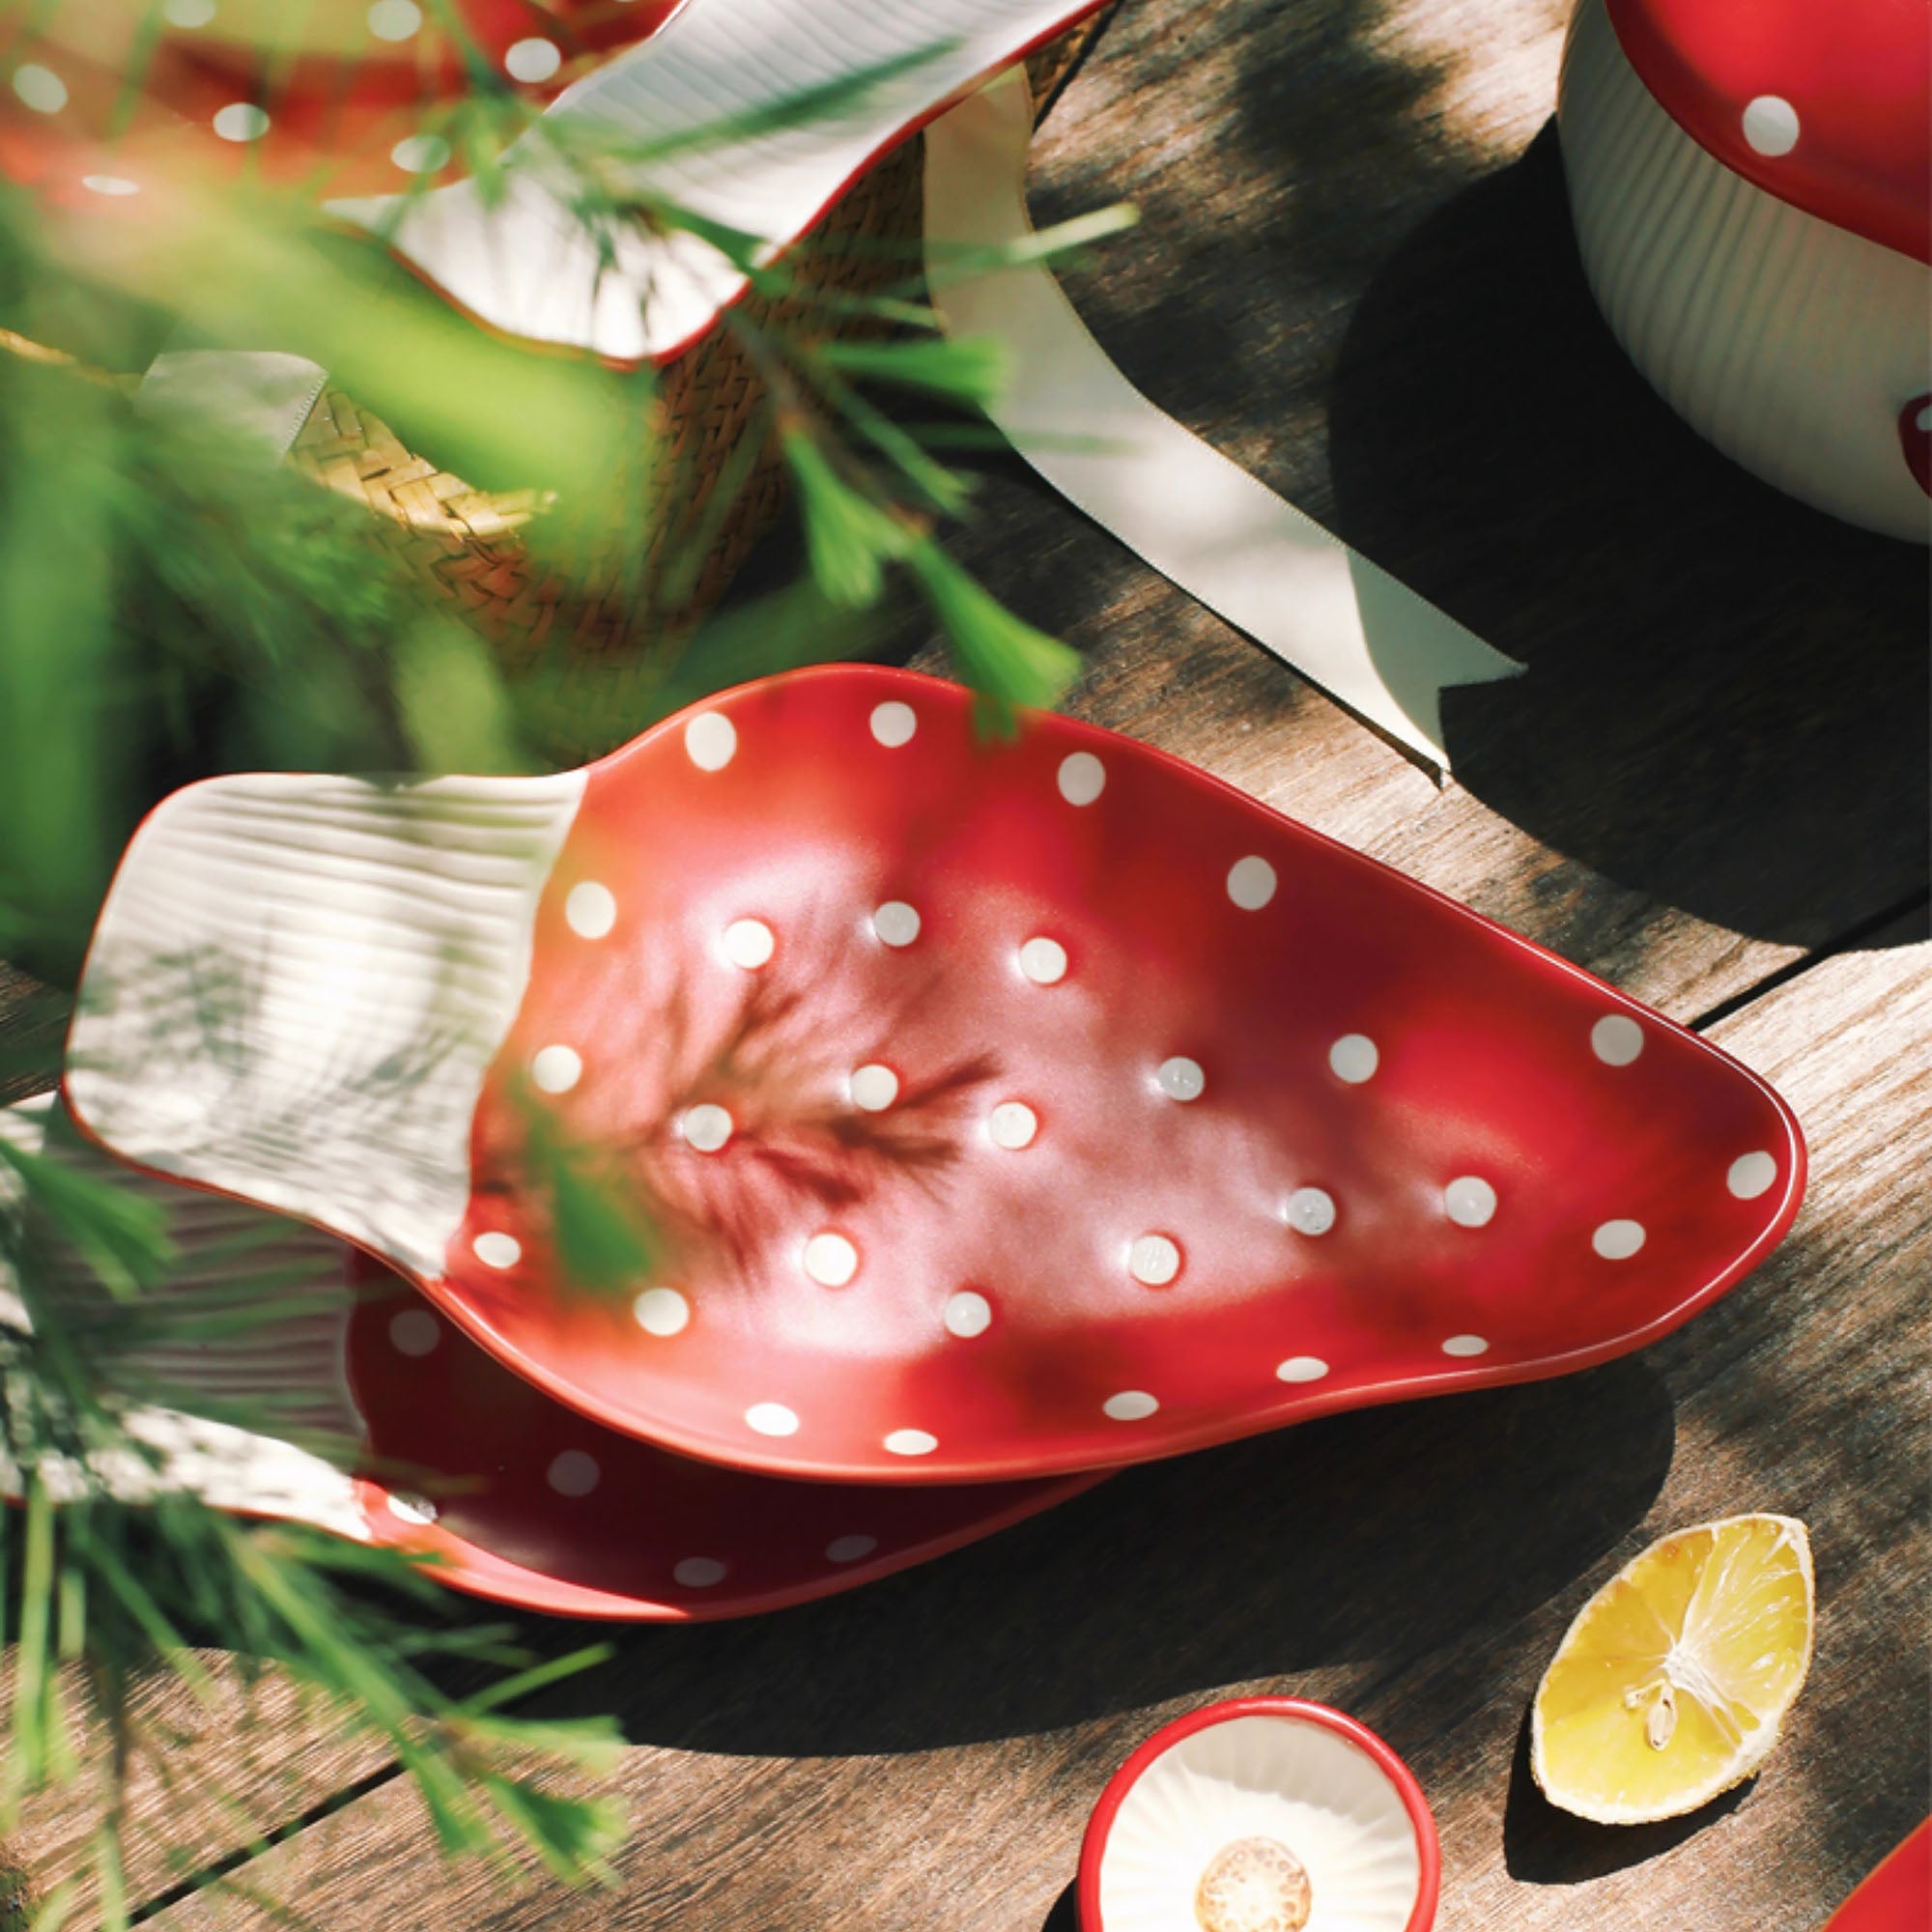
[{"x": 1005, "y": 659}]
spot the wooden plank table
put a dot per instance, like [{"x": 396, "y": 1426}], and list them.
[{"x": 1354, "y": 273}]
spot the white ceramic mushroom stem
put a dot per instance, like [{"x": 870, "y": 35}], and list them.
[
  {"x": 298, "y": 982},
  {"x": 290, "y": 1367}
]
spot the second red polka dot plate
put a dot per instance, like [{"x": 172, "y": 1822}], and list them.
[{"x": 1001, "y": 1107}]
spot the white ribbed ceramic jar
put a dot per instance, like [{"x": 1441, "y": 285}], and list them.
[{"x": 1800, "y": 347}]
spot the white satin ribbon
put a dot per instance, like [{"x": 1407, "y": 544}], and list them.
[{"x": 1223, "y": 536}]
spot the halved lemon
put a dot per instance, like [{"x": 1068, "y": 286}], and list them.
[{"x": 1671, "y": 1686}]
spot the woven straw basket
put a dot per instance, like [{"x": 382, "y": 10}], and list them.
[{"x": 466, "y": 545}]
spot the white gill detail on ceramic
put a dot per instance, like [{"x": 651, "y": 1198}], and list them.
[
  {"x": 298, "y": 984},
  {"x": 654, "y": 293},
  {"x": 1751, "y": 1175},
  {"x": 297, "y": 1364},
  {"x": 662, "y": 1312},
  {"x": 1289, "y": 1784},
  {"x": 893, "y": 724}
]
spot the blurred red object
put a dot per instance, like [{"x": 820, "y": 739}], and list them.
[{"x": 1898, "y": 1897}]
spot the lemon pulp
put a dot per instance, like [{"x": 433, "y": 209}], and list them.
[{"x": 1671, "y": 1686}]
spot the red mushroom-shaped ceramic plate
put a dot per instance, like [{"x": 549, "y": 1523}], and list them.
[
  {"x": 1001, "y": 1107},
  {"x": 755, "y": 115},
  {"x": 507, "y": 1494},
  {"x": 1752, "y": 186}
]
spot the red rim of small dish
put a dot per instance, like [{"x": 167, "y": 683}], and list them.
[{"x": 1100, "y": 1828}]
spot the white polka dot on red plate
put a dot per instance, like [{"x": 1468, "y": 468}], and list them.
[
  {"x": 771, "y": 1418},
  {"x": 420, "y": 153},
  {"x": 557, "y": 1070},
  {"x": 706, "y": 1128},
  {"x": 406, "y": 1506},
  {"x": 831, "y": 1259},
  {"x": 1466, "y": 1344},
  {"x": 893, "y": 724},
  {"x": 1043, "y": 961},
  {"x": 590, "y": 909},
  {"x": 1750, "y": 1174},
  {"x": 709, "y": 741},
  {"x": 1154, "y": 1260},
  {"x": 850, "y": 1548},
  {"x": 662, "y": 1311},
  {"x": 1354, "y": 1057},
  {"x": 241, "y": 121},
  {"x": 911, "y": 1442},
  {"x": 1616, "y": 1040},
  {"x": 533, "y": 60},
  {"x": 1770, "y": 125},
  {"x": 1129, "y": 1406},
  {"x": 497, "y": 1250},
  {"x": 40, "y": 88},
  {"x": 1311, "y": 1210},
  {"x": 392, "y": 19},
  {"x": 1013, "y": 1126},
  {"x": 414, "y": 1331},
  {"x": 113, "y": 184},
  {"x": 1083, "y": 778},
  {"x": 1181, "y": 1078},
  {"x": 874, "y": 1087},
  {"x": 699, "y": 1573},
  {"x": 1251, "y": 883},
  {"x": 198, "y": 12},
  {"x": 895, "y": 923},
  {"x": 749, "y": 943},
  {"x": 573, "y": 1473},
  {"x": 1302, "y": 1369},
  {"x": 968, "y": 1314},
  {"x": 1618, "y": 1240},
  {"x": 1469, "y": 1201}
]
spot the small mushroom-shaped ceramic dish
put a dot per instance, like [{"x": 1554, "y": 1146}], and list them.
[
  {"x": 1262, "y": 1814},
  {"x": 440, "y": 1453},
  {"x": 1001, "y": 1107},
  {"x": 1751, "y": 184}
]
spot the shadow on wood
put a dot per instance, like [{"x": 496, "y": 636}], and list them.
[
  {"x": 1491, "y": 446},
  {"x": 1348, "y": 1539},
  {"x": 1543, "y": 1845},
  {"x": 1066, "y": 1914}
]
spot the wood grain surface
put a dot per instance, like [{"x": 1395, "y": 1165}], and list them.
[{"x": 1354, "y": 273}]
